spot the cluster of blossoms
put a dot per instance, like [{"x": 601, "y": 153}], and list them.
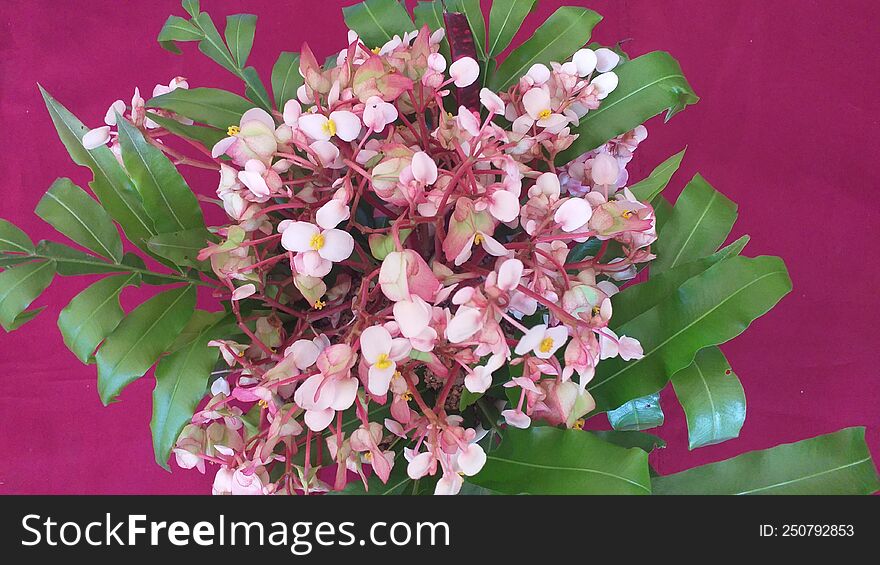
[{"x": 388, "y": 251}]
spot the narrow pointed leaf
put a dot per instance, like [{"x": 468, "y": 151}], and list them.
[
  {"x": 19, "y": 287},
  {"x": 640, "y": 298},
  {"x": 546, "y": 460},
  {"x": 648, "y": 188},
  {"x": 662, "y": 211},
  {"x": 378, "y": 21},
  {"x": 286, "y": 78},
  {"x": 177, "y": 29},
  {"x": 210, "y": 106},
  {"x": 699, "y": 224},
  {"x": 25, "y": 317},
  {"x": 474, "y": 14},
  {"x": 141, "y": 337},
  {"x": 181, "y": 380},
  {"x": 72, "y": 262},
  {"x": 708, "y": 309},
  {"x": 638, "y": 414},
  {"x": 837, "y": 463},
  {"x": 169, "y": 201},
  {"x": 92, "y": 314},
  {"x": 191, "y": 6},
  {"x": 212, "y": 45},
  {"x": 565, "y": 31},
  {"x": 644, "y": 441},
  {"x": 505, "y": 19},
  {"x": 74, "y": 213},
  {"x": 649, "y": 85},
  {"x": 13, "y": 239},
  {"x": 111, "y": 184},
  {"x": 239, "y": 34},
  {"x": 712, "y": 397},
  {"x": 182, "y": 247},
  {"x": 207, "y": 136}
]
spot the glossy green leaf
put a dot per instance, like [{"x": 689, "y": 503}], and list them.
[
  {"x": 712, "y": 397},
  {"x": 640, "y": 298},
  {"x": 71, "y": 262},
  {"x": 699, "y": 224},
  {"x": 286, "y": 78},
  {"x": 644, "y": 441},
  {"x": 168, "y": 199},
  {"x": 662, "y": 212},
  {"x": 74, "y": 213},
  {"x": 505, "y": 19},
  {"x": 638, "y": 414},
  {"x": 24, "y": 318},
  {"x": 212, "y": 45},
  {"x": 142, "y": 336},
  {"x": 191, "y": 6},
  {"x": 13, "y": 239},
  {"x": 837, "y": 463},
  {"x": 182, "y": 247},
  {"x": 547, "y": 460},
  {"x": 239, "y": 34},
  {"x": 181, "y": 380},
  {"x": 474, "y": 14},
  {"x": 19, "y": 287},
  {"x": 177, "y": 29},
  {"x": 210, "y": 106},
  {"x": 564, "y": 32},
  {"x": 648, "y": 188},
  {"x": 111, "y": 184},
  {"x": 207, "y": 136},
  {"x": 92, "y": 314},
  {"x": 254, "y": 88},
  {"x": 708, "y": 309},
  {"x": 9, "y": 260},
  {"x": 649, "y": 85},
  {"x": 377, "y": 21}
]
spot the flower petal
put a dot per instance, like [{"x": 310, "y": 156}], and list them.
[
  {"x": 424, "y": 169},
  {"x": 297, "y": 236},
  {"x": 375, "y": 341},
  {"x": 338, "y": 245},
  {"x": 348, "y": 125},
  {"x": 573, "y": 214},
  {"x": 464, "y": 72},
  {"x": 97, "y": 137},
  {"x": 332, "y": 213},
  {"x": 314, "y": 126}
]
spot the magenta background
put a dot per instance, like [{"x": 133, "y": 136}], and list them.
[{"x": 785, "y": 128}]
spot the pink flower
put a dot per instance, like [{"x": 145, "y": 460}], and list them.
[
  {"x": 97, "y": 137},
  {"x": 342, "y": 123},
  {"x": 405, "y": 274},
  {"x": 480, "y": 379},
  {"x": 491, "y": 101},
  {"x": 539, "y": 111},
  {"x": 381, "y": 354},
  {"x": 573, "y": 215},
  {"x": 464, "y": 72},
  {"x": 252, "y": 138},
  {"x": 317, "y": 249},
  {"x": 542, "y": 341},
  {"x": 378, "y": 113}
]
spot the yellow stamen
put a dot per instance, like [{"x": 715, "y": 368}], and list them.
[
  {"x": 232, "y": 131},
  {"x": 578, "y": 424},
  {"x": 546, "y": 345},
  {"x": 383, "y": 362},
  {"x": 319, "y": 304},
  {"x": 544, "y": 114},
  {"x": 627, "y": 214},
  {"x": 368, "y": 456},
  {"x": 596, "y": 310},
  {"x": 376, "y": 50},
  {"x": 406, "y": 396},
  {"x": 317, "y": 241},
  {"x": 262, "y": 403},
  {"x": 396, "y": 375},
  {"x": 330, "y": 128},
  {"x": 478, "y": 239}
]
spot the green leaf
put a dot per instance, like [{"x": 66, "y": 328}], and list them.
[
  {"x": 255, "y": 89},
  {"x": 708, "y": 309},
  {"x": 25, "y": 317},
  {"x": 92, "y": 314},
  {"x": 837, "y": 463},
  {"x": 74, "y": 213},
  {"x": 377, "y": 21},
  {"x": 177, "y": 29},
  {"x": 182, "y": 247},
  {"x": 474, "y": 14},
  {"x": 648, "y": 85},
  {"x": 547, "y": 460},
  {"x": 640, "y": 298},
  {"x": 699, "y": 224},
  {"x": 181, "y": 380},
  {"x": 644, "y": 441},
  {"x": 505, "y": 18},
  {"x": 239, "y": 34},
  {"x": 13, "y": 239},
  {"x": 712, "y": 397},
  {"x": 212, "y": 44},
  {"x": 564, "y": 32},
  {"x": 7, "y": 260},
  {"x": 210, "y": 106},
  {"x": 19, "y": 287},
  {"x": 286, "y": 78},
  {"x": 72, "y": 262},
  {"x": 191, "y": 6},
  {"x": 648, "y": 188},
  {"x": 662, "y": 211},
  {"x": 639, "y": 414},
  {"x": 207, "y": 136},
  {"x": 111, "y": 183},
  {"x": 382, "y": 245},
  {"x": 141, "y": 338},
  {"x": 168, "y": 199}
]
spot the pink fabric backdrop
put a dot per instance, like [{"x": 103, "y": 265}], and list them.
[{"x": 785, "y": 128}]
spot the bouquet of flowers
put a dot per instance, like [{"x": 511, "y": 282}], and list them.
[{"x": 435, "y": 267}]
